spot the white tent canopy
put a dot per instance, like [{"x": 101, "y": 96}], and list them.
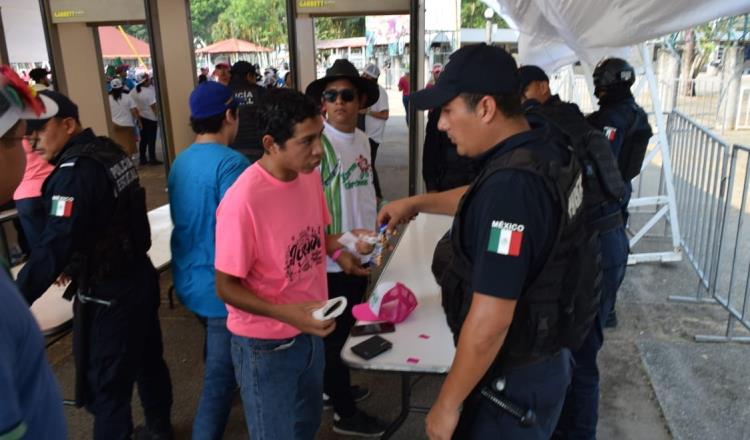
[{"x": 554, "y": 33}]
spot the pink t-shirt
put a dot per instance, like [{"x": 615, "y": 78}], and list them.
[
  {"x": 37, "y": 170},
  {"x": 271, "y": 234}
]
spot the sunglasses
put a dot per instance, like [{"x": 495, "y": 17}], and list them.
[{"x": 347, "y": 95}]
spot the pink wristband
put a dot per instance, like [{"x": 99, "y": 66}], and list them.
[{"x": 336, "y": 254}]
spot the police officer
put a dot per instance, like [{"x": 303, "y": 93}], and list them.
[
  {"x": 626, "y": 126},
  {"x": 97, "y": 234},
  {"x": 502, "y": 289},
  {"x": 248, "y": 94},
  {"x": 604, "y": 189}
]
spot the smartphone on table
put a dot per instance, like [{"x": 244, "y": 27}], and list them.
[
  {"x": 371, "y": 347},
  {"x": 375, "y": 328}
]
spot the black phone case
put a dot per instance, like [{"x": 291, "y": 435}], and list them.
[{"x": 371, "y": 347}]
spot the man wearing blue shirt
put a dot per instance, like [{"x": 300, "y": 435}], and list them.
[
  {"x": 197, "y": 181},
  {"x": 30, "y": 402}
]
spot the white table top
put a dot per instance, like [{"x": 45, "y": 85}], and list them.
[
  {"x": 161, "y": 232},
  {"x": 410, "y": 265},
  {"x": 52, "y": 311}
]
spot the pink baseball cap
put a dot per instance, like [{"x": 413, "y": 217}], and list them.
[{"x": 390, "y": 301}]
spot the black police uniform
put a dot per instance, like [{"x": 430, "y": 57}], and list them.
[
  {"x": 615, "y": 118},
  {"x": 519, "y": 201},
  {"x": 118, "y": 344},
  {"x": 248, "y": 139},
  {"x": 618, "y": 117},
  {"x": 579, "y": 416},
  {"x": 442, "y": 167}
]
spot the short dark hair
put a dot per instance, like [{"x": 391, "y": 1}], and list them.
[
  {"x": 509, "y": 104},
  {"x": 38, "y": 74},
  {"x": 281, "y": 110},
  {"x": 116, "y": 93},
  {"x": 211, "y": 124}
]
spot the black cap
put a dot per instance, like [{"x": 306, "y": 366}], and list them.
[
  {"x": 38, "y": 73},
  {"x": 344, "y": 69},
  {"x": 529, "y": 74},
  {"x": 242, "y": 68},
  {"x": 472, "y": 69},
  {"x": 65, "y": 109}
]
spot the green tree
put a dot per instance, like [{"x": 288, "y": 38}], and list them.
[
  {"x": 260, "y": 21},
  {"x": 699, "y": 43},
  {"x": 330, "y": 28},
  {"x": 203, "y": 15},
  {"x": 472, "y": 15},
  {"x": 137, "y": 30}
]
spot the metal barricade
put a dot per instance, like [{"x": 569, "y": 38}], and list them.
[
  {"x": 700, "y": 162},
  {"x": 730, "y": 273}
]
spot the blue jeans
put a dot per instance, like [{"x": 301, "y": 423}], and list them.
[
  {"x": 580, "y": 413},
  {"x": 540, "y": 387},
  {"x": 219, "y": 383},
  {"x": 281, "y": 383}
]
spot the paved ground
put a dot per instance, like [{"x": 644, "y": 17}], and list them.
[{"x": 701, "y": 389}]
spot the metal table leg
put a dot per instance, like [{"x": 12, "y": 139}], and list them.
[{"x": 406, "y": 407}]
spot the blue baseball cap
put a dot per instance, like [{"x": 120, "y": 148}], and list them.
[{"x": 211, "y": 98}]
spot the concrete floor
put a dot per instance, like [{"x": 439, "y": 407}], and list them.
[{"x": 629, "y": 408}]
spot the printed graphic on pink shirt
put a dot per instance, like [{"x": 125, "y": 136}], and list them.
[{"x": 305, "y": 252}]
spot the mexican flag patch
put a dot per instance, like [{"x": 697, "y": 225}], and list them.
[
  {"x": 505, "y": 238},
  {"x": 61, "y": 206},
  {"x": 610, "y": 133}
]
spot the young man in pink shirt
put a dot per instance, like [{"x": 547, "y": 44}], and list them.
[
  {"x": 271, "y": 249},
  {"x": 28, "y": 195}
]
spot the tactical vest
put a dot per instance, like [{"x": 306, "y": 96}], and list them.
[
  {"x": 248, "y": 138},
  {"x": 635, "y": 144},
  {"x": 558, "y": 305},
  {"x": 603, "y": 185},
  {"x": 127, "y": 236},
  {"x": 635, "y": 140}
]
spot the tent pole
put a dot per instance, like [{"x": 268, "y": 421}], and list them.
[
  {"x": 589, "y": 83},
  {"x": 663, "y": 145}
]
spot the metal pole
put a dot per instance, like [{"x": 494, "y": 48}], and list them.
[
  {"x": 414, "y": 59},
  {"x": 664, "y": 143},
  {"x": 3, "y": 47},
  {"x": 291, "y": 25}
]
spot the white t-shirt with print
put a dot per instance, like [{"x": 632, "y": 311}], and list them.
[
  {"x": 144, "y": 100},
  {"x": 120, "y": 110},
  {"x": 357, "y": 190},
  {"x": 375, "y": 127}
]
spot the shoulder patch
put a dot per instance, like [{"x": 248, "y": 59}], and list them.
[
  {"x": 610, "y": 132},
  {"x": 61, "y": 206},
  {"x": 70, "y": 163},
  {"x": 505, "y": 238}
]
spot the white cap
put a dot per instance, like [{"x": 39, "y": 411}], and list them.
[
  {"x": 16, "y": 109},
  {"x": 372, "y": 71},
  {"x": 141, "y": 77},
  {"x": 116, "y": 83}
]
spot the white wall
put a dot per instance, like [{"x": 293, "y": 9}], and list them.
[{"x": 24, "y": 33}]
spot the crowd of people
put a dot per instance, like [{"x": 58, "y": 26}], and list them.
[
  {"x": 259, "y": 201},
  {"x": 270, "y": 78}
]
